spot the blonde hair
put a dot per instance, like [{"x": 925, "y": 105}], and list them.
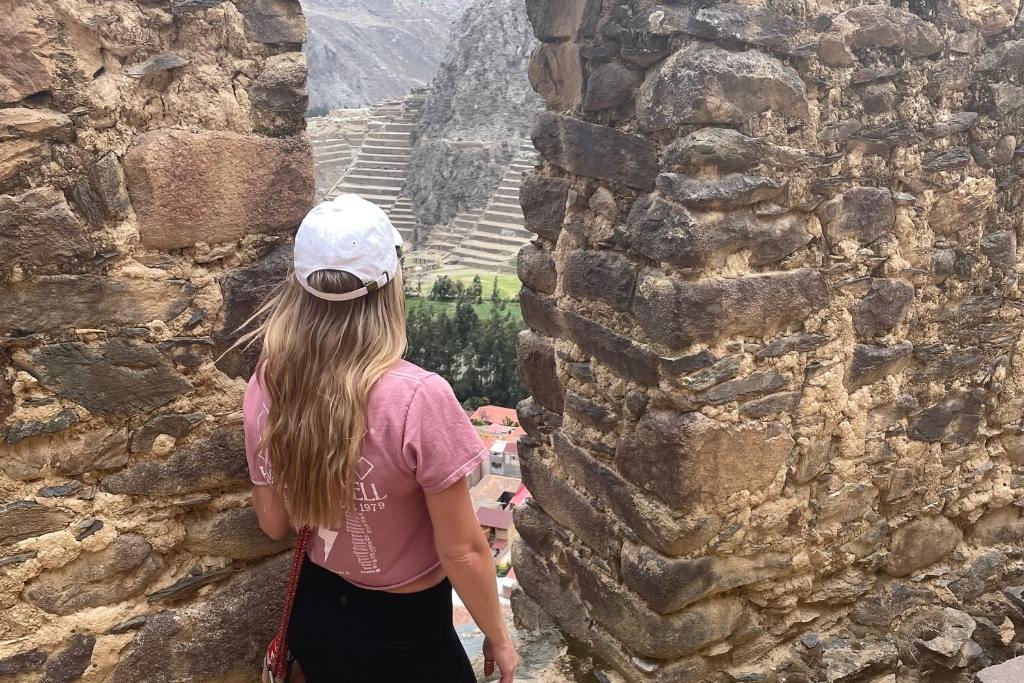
[{"x": 319, "y": 360}]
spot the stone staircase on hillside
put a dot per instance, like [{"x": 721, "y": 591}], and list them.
[
  {"x": 494, "y": 241},
  {"x": 377, "y": 173},
  {"x": 443, "y": 239},
  {"x": 335, "y": 144}
]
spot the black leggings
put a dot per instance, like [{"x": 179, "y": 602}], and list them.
[{"x": 341, "y": 633}]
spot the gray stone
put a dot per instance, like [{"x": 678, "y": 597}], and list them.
[
  {"x": 646, "y": 632},
  {"x": 684, "y": 365},
  {"x": 872, "y": 363},
  {"x": 23, "y": 662},
  {"x": 234, "y": 533},
  {"x": 623, "y": 356},
  {"x": 536, "y": 268},
  {"x": 86, "y": 528},
  {"x": 281, "y": 85},
  {"x": 116, "y": 376},
  {"x": 70, "y": 663},
  {"x": 861, "y": 213},
  {"x": 951, "y": 124},
  {"x": 784, "y": 402},
  {"x": 955, "y": 419},
  {"x": 668, "y": 232},
  {"x": 880, "y": 140},
  {"x": 555, "y": 20},
  {"x": 1007, "y": 98},
  {"x": 884, "y": 307},
  {"x": 556, "y": 73},
  {"x": 107, "y": 180},
  {"x": 729, "y": 150},
  {"x": 1010, "y": 671},
  {"x": 536, "y": 360},
  {"x": 119, "y": 572},
  {"x": 669, "y": 584},
  {"x": 131, "y": 624},
  {"x": 733, "y": 22},
  {"x": 877, "y": 26},
  {"x": 22, "y": 519},
  {"x": 844, "y": 660},
  {"x": 155, "y": 64},
  {"x": 601, "y": 275},
  {"x": 611, "y": 86},
  {"x": 1005, "y": 55},
  {"x": 173, "y": 424},
  {"x": 26, "y": 429},
  {"x": 998, "y": 526},
  {"x": 798, "y": 343},
  {"x": 188, "y": 586},
  {"x": 91, "y": 301},
  {"x": 687, "y": 459},
  {"x": 214, "y": 462},
  {"x": 60, "y": 491},
  {"x": 849, "y": 503},
  {"x": 947, "y": 160},
  {"x": 760, "y": 382},
  {"x": 1000, "y": 248},
  {"x": 877, "y": 98},
  {"x": 273, "y": 21},
  {"x": 720, "y": 371},
  {"x": 542, "y": 581},
  {"x": 37, "y": 228},
  {"x": 590, "y": 413},
  {"x": 729, "y": 192},
  {"x": 596, "y": 151},
  {"x": 656, "y": 524},
  {"x": 572, "y": 509},
  {"x": 708, "y": 84},
  {"x": 921, "y": 543},
  {"x": 678, "y": 313},
  {"x": 543, "y": 203},
  {"x": 541, "y": 313}
]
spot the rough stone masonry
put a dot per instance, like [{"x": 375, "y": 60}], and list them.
[
  {"x": 152, "y": 166},
  {"x": 775, "y": 432}
]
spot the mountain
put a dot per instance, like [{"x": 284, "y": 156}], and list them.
[
  {"x": 479, "y": 107},
  {"x": 363, "y": 51}
]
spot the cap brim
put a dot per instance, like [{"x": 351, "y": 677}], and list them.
[{"x": 399, "y": 240}]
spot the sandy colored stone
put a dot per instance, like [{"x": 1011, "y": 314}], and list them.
[
  {"x": 16, "y": 122},
  {"x": 26, "y": 58},
  {"x": 216, "y": 186},
  {"x": 920, "y": 543}
]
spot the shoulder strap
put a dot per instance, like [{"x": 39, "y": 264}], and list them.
[{"x": 301, "y": 544}]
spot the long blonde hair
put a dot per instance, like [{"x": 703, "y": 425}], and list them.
[{"x": 319, "y": 360}]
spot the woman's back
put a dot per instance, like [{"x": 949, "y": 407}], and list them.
[{"x": 418, "y": 441}]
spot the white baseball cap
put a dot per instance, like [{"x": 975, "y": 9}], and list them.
[{"x": 349, "y": 234}]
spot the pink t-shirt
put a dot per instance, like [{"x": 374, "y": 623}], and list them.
[{"x": 418, "y": 441}]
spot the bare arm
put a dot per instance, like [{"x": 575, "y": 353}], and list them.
[
  {"x": 271, "y": 512},
  {"x": 467, "y": 561}
]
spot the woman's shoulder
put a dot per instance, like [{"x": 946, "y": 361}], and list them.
[{"x": 406, "y": 376}]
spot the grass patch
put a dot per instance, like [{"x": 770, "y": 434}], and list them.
[
  {"x": 508, "y": 284},
  {"x": 482, "y": 310}
]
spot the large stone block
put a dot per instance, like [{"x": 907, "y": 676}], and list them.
[
  {"x": 596, "y": 151},
  {"x": 877, "y": 26},
  {"x": 217, "y": 186},
  {"x": 678, "y": 313},
  {"x": 748, "y": 24},
  {"x": 71, "y": 662},
  {"x": 665, "y": 231},
  {"x": 883, "y": 307},
  {"x": 22, "y": 519},
  {"x": 26, "y": 61},
  {"x": 669, "y": 584},
  {"x": 246, "y": 288},
  {"x": 555, "y": 20},
  {"x": 120, "y": 571},
  {"x": 656, "y": 524},
  {"x": 113, "y": 377},
  {"x": 600, "y": 275},
  {"x": 645, "y": 631},
  {"x": 234, "y": 533},
  {"x": 732, "y": 191},
  {"x": 955, "y": 419},
  {"x": 18, "y": 122},
  {"x": 541, "y": 313},
  {"x": 708, "y": 84},
  {"x": 273, "y": 21},
  {"x": 687, "y": 459},
  {"x": 568, "y": 506},
  {"x": 202, "y": 641},
  {"x": 91, "y": 301},
  {"x": 37, "y": 228},
  {"x": 536, "y": 268},
  {"x": 860, "y": 213},
  {"x": 215, "y": 462},
  {"x": 611, "y": 86},
  {"x": 556, "y": 73},
  {"x": 281, "y": 86},
  {"x": 536, "y": 360},
  {"x": 921, "y": 543},
  {"x": 543, "y": 202},
  {"x": 625, "y": 357},
  {"x": 540, "y": 577},
  {"x": 729, "y": 150}
]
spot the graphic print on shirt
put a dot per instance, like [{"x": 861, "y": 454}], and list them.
[
  {"x": 262, "y": 462},
  {"x": 367, "y": 499}
]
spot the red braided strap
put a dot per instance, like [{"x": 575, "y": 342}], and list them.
[{"x": 280, "y": 648}]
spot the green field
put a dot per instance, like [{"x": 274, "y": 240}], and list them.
[
  {"x": 508, "y": 288},
  {"x": 482, "y": 310}
]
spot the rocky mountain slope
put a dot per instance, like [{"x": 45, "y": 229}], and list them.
[
  {"x": 479, "y": 107},
  {"x": 363, "y": 51}
]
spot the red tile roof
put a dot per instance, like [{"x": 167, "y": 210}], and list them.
[
  {"x": 498, "y": 519},
  {"x": 495, "y": 415}
]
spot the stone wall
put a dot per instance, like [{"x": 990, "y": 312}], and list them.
[
  {"x": 775, "y": 431},
  {"x": 152, "y": 165}
]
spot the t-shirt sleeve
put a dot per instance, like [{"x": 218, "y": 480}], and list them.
[
  {"x": 439, "y": 439},
  {"x": 255, "y": 408}
]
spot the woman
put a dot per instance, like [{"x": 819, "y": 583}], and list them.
[{"x": 372, "y": 453}]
